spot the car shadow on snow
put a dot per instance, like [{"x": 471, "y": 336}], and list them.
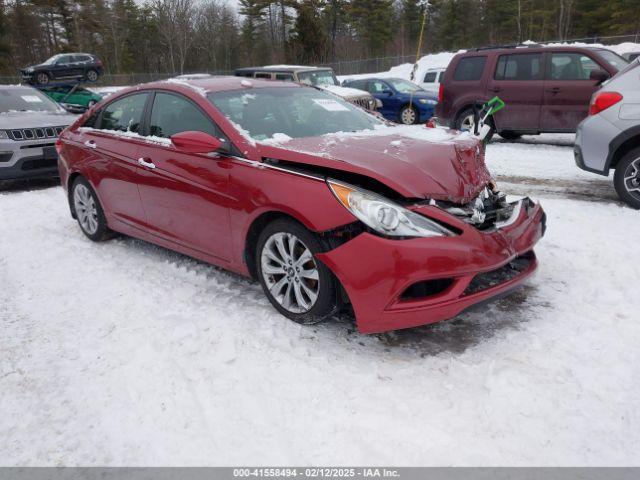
[
  {"x": 557, "y": 140},
  {"x": 23, "y": 185},
  {"x": 472, "y": 327}
]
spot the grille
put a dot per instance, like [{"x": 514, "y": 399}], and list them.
[
  {"x": 19, "y": 134},
  {"x": 483, "y": 212},
  {"x": 364, "y": 102},
  {"x": 486, "y": 280}
]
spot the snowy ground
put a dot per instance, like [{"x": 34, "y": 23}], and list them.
[{"x": 123, "y": 353}]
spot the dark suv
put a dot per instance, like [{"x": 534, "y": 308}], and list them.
[
  {"x": 64, "y": 66},
  {"x": 546, "y": 89}
]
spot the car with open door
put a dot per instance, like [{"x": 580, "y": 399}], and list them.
[
  {"x": 545, "y": 89},
  {"x": 323, "y": 203}
]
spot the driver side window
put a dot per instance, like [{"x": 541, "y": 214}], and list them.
[{"x": 173, "y": 114}]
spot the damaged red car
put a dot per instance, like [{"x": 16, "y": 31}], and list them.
[{"x": 326, "y": 205}]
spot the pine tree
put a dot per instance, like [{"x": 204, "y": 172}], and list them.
[{"x": 373, "y": 21}]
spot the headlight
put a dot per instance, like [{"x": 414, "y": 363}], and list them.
[
  {"x": 426, "y": 101},
  {"x": 384, "y": 216},
  {"x": 3, "y": 134}
]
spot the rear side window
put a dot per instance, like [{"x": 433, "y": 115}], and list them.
[
  {"x": 523, "y": 66},
  {"x": 469, "y": 69},
  {"x": 359, "y": 84},
  {"x": 263, "y": 75},
  {"x": 430, "y": 77},
  {"x": 125, "y": 114},
  {"x": 570, "y": 66}
]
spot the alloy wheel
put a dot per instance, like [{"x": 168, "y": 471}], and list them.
[
  {"x": 85, "y": 207},
  {"x": 42, "y": 78},
  {"x": 632, "y": 178},
  {"x": 290, "y": 272},
  {"x": 92, "y": 76},
  {"x": 408, "y": 116},
  {"x": 468, "y": 124}
]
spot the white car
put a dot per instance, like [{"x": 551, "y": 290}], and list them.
[{"x": 431, "y": 79}]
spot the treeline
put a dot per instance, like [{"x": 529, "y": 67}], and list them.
[{"x": 211, "y": 35}]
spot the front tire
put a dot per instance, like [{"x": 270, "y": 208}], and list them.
[
  {"x": 626, "y": 179},
  {"x": 298, "y": 285},
  {"x": 408, "y": 115},
  {"x": 88, "y": 211},
  {"x": 42, "y": 78}
]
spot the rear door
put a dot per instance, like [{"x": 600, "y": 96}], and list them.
[
  {"x": 185, "y": 196},
  {"x": 567, "y": 90},
  {"x": 518, "y": 80},
  {"x": 111, "y": 146}
]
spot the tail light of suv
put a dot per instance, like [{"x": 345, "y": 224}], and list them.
[
  {"x": 603, "y": 100},
  {"x": 440, "y": 93}
]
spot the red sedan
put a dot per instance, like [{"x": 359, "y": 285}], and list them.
[{"x": 325, "y": 204}]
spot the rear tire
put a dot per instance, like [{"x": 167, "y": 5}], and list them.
[
  {"x": 298, "y": 285},
  {"x": 510, "y": 135},
  {"x": 465, "y": 122},
  {"x": 91, "y": 76},
  {"x": 88, "y": 211},
  {"x": 626, "y": 179}
]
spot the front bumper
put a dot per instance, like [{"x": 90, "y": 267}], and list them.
[
  {"x": 463, "y": 270},
  {"x": 28, "y": 159}
]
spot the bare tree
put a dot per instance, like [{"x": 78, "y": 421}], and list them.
[{"x": 175, "y": 23}]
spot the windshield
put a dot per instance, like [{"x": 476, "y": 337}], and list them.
[
  {"x": 295, "y": 112},
  {"x": 26, "y": 99},
  {"x": 52, "y": 60},
  {"x": 613, "y": 59},
  {"x": 318, "y": 78},
  {"x": 404, "y": 86}
]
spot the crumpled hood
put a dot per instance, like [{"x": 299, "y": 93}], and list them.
[
  {"x": 33, "y": 119},
  {"x": 415, "y": 161}
]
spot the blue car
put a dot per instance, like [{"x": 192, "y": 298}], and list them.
[{"x": 402, "y": 101}]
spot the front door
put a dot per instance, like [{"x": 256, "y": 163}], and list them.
[
  {"x": 383, "y": 92},
  {"x": 567, "y": 90},
  {"x": 518, "y": 80},
  {"x": 185, "y": 196}
]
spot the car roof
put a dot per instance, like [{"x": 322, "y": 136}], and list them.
[
  {"x": 214, "y": 84},
  {"x": 533, "y": 48},
  {"x": 281, "y": 68}
]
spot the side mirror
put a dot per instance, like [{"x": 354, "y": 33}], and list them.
[
  {"x": 195, "y": 142},
  {"x": 388, "y": 92},
  {"x": 599, "y": 76}
]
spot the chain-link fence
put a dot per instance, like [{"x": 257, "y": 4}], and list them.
[{"x": 346, "y": 67}]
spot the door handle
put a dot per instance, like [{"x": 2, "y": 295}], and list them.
[
  {"x": 495, "y": 89},
  {"x": 90, "y": 144},
  {"x": 553, "y": 90},
  {"x": 146, "y": 163}
]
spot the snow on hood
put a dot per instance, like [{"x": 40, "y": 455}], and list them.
[
  {"x": 344, "y": 92},
  {"x": 415, "y": 161},
  {"x": 34, "y": 119}
]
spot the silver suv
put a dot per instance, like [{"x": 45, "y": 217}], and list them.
[
  {"x": 609, "y": 138},
  {"x": 30, "y": 123}
]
